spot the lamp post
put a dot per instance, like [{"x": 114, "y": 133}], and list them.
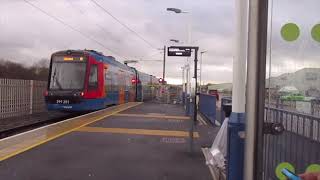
[
  {"x": 200, "y": 78},
  {"x": 174, "y": 40},
  {"x": 176, "y": 10},
  {"x": 179, "y": 11}
]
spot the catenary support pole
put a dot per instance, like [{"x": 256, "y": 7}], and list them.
[
  {"x": 164, "y": 64},
  {"x": 195, "y": 109},
  {"x": 200, "y": 75},
  {"x": 183, "y": 92}
]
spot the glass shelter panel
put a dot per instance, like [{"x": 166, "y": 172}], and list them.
[{"x": 293, "y": 85}]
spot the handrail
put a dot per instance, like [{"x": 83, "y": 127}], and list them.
[
  {"x": 294, "y": 113},
  {"x": 207, "y": 94}
]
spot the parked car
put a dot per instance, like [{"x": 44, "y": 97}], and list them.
[{"x": 293, "y": 97}]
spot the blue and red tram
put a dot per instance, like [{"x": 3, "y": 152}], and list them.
[{"x": 86, "y": 80}]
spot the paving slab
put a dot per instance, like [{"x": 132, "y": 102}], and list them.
[
  {"x": 157, "y": 109},
  {"x": 82, "y": 154}
]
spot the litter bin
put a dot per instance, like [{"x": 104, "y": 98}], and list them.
[{"x": 227, "y": 109}]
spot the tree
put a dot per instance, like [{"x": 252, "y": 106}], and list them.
[
  {"x": 14, "y": 70},
  {"x": 40, "y": 70}
]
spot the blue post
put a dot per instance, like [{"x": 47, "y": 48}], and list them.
[{"x": 235, "y": 157}]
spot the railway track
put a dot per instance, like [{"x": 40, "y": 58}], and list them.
[{"x": 16, "y": 125}]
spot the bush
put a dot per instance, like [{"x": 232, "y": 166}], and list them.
[{"x": 14, "y": 70}]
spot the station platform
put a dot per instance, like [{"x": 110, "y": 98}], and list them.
[
  {"x": 24, "y": 123},
  {"x": 131, "y": 141}
]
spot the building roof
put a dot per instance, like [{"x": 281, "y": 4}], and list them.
[{"x": 221, "y": 87}]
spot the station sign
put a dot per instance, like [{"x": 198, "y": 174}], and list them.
[
  {"x": 68, "y": 58},
  {"x": 179, "y": 51}
]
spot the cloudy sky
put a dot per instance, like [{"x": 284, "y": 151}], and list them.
[{"x": 27, "y": 34}]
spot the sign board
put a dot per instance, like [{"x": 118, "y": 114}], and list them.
[{"x": 179, "y": 51}]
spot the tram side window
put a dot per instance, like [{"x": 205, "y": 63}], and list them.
[
  {"x": 93, "y": 77},
  {"x": 108, "y": 81},
  {"x": 128, "y": 81},
  {"x": 123, "y": 81},
  {"x": 115, "y": 82}
]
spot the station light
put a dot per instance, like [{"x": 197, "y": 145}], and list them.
[{"x": 135, "y": 81}]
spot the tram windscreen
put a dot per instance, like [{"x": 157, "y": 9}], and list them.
[{"x": 67, "y": 74}]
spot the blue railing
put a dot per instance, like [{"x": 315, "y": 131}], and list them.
[
  {"x": 298, "y": 145},
  {"x": 207, "y": 106}
]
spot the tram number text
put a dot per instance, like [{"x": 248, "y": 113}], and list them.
[{"x": 59, "y": 101}]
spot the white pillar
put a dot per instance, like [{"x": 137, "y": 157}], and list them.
[{"x": 240, "y": 58}]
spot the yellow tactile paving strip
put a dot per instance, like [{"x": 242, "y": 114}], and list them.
[
  {"x": 153, "y": 116},
  {"x": 148, "y": 132},
  {"x": 17, "y": 144}
]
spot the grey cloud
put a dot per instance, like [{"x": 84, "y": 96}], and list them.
[
  {"x": 27, "y": 35},
  {"x": 304, "y": 52}
]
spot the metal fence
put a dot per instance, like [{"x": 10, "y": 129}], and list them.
[
  {"x": 207, "y": 106},
  {"x": 315, "y": 108},
  {"x": 298, "y": 145},
  {"x": 168, "y": 94},
  {"x": 21, "y": 97},
  {"x": 311, "y": 107}
]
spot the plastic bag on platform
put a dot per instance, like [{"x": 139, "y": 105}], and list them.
[{"x": 219, "y": 147}]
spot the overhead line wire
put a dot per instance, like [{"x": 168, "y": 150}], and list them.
[
  {"x": 71, "y": 27},
  {"x": 123, "y": 24}
]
